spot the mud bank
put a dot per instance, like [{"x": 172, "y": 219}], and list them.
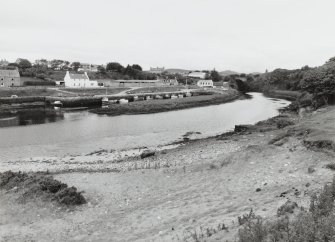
[{"x": 203, "y": 185}]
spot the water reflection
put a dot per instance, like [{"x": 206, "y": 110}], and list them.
[
  {"x": 30, "y": 117},
  {"x": 83, "y": 132}
]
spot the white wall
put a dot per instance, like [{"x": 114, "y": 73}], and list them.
[
  {"x": 79, "y": 83},
  {"x": 205, "y": 83}
]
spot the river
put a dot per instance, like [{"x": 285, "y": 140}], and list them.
[{"x": 81, "y": 132}]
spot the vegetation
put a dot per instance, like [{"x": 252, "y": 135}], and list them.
[
  {"x": 314, "y": 224},
  {"x": 32, "y": 186},
  {"x": 319, "y": 82},
  {"x": 164, "y": 105},
  {"x": 157, "y": 89}
]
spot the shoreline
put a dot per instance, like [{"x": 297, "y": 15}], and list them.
[{"x": 157, "y": 198}]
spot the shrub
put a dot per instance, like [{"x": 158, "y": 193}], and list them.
[{"x": 316, "y": 224}]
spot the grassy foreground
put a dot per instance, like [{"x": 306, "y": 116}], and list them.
[{"x": 164, "y": 105}]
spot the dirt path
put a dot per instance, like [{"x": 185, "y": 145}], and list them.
[{"x": 202, "y": 184}]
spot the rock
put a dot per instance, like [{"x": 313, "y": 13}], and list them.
[
  {"x": 258, "y": 190},
  {"x": 243, "y": 128},
  {"x": 147, "y": 153},
  {"x": 311, "y": 169},
  {"x": 307, "y": 184},
  {"x": 288, "y": 207}
]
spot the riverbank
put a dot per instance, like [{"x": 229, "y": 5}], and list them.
[
  {"x": 175, "y": 192},
  {"x": 165, "y": 105}
]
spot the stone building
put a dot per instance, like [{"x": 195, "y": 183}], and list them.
[{"x": 10, "y": 78}]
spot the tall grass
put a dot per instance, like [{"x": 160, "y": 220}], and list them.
[{"x": 315, "y": 224}]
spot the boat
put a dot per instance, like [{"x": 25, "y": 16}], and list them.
[
  {"x": 188, "y": 94},
  {"x": 57, "y": 104},
  {"x": 158, "y": 97},
  {"x": 174, "y": 97},
  {"x": 105, "y": 101},
  {"x": 135, "y": 98},
  {"x": 180, "y": 96},
  {"x": 123, "y": 101}
]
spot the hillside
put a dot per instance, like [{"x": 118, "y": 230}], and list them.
[
  {"x": 227, "y": 73},
  {"x": 318, "y": 82},
  {"x": 176, "y": 71}
]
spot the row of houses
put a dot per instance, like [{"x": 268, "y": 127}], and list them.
[
  {"x": 76, "y": 80},
  {"x": 11, "y": 78}
]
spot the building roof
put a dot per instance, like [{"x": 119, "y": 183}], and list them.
[
  {"x": 9, "y": 73},
  {"x": 78, "y": 76}
]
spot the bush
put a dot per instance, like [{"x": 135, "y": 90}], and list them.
[
  {"x": 316, "y": 224},
  {"x": 39, "y": 83}
]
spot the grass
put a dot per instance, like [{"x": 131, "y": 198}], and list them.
[
  {"x": 27, "y": 91},
  {"x": 157, "y": 89},
  {"x": 94, "y": 91},
  {"x": 163, "y": 105},
  {"x": 314, "y": 224},
  {"x": 203, "y": 233},
  {"x": 44, "y": 91}
]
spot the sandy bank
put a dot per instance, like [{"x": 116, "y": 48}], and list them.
[{"x": 168, "y": 196}]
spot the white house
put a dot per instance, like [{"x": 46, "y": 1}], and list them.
[
  {"x": 205, "y": 83},
  {"x": 76, "y": 80}
]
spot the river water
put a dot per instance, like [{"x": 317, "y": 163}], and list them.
[{"x": 74, "y": 133}]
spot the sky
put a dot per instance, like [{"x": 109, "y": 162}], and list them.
[{"x": 240, "y": 35}]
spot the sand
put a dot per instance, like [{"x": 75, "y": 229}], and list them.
[{"x": 168, "y": 196}]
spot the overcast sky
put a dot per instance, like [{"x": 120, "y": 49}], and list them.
[{"x": 240, "y": 35}]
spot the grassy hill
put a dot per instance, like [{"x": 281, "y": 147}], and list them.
[
  {"x": 227, "y": 73},
  {"x": 176, "y": 71},
  {"x": 318, "y": 81}
]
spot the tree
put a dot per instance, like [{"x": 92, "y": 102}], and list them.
[
  {"x": 115, "y": 66},
  {"x": 101, "y": 69},
  {"x": 136, "y": 67},
  {"x": 75, "y": 65},
  {"x": 215, "y": 76},
  {"x": 41, "y": 62},
  {"x": 24, "y": 64}
]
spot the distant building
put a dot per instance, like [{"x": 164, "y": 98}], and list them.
[
  {"x": 157, "y": 70},
  {"x": 132, "y": 83},
  {"x": 76, "y": 80},
  {"x": 205, "y": 83},
  {"x": 197, "y": 75},
  {"x": 4, "y": 62},
  {"x": 170, "y": 82},
  {"x": 88, "y": 67},
  {"x": 225, "y": 86},
  {"x": 10, "y": 78}
]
